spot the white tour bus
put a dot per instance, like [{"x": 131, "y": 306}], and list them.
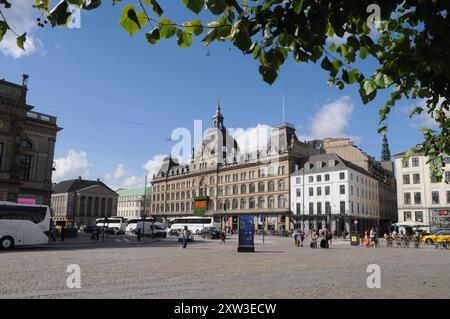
[
  {"x": 118, "y": 223},
  {"x": 194, "y": 224},
  {"x": 23, "y": 225}
]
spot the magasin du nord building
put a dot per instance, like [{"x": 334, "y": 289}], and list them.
[{"x": 233, "y": 182}]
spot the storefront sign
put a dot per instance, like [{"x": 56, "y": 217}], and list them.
[
  {"x": 443, "y": 213},
  {"x": 200, "y": 204},
  {"x": 26, "y": 201}
]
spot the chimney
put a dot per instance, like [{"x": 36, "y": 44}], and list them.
[
  {"x": 98, "y": 180},
  {"x": 79, "y": 178}
]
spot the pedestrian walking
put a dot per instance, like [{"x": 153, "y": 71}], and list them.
[
  {"x": 372, "y": 237},
  {"x": 63, "y": 233},
  {"x": 222, "y": 238},
  {"x": 185, "y": 236},
  {"x": 302, "y": 238},
  {"x": 295, "y": 236}
]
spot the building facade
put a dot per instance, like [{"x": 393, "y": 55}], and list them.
[
  {"x": 82, "y": 201},
  {"x": 27, "y": 145},
  {"x": 131, "y": 203},
  {"x": 330, "y": 191},
  {"x": 382, "y": 171},
  {"x": 233, "y": 182},
  {"x": 420, "y": 197}
]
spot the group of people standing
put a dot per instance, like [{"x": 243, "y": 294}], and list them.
[{"x": 324, "y": 235}]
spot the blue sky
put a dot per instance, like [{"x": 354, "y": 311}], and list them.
[{"x": 118, "y": 98}]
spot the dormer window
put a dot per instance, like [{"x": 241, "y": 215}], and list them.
[{"x": 331, "y": 163}]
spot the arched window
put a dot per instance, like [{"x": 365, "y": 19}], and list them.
[
  {"x": 220, "y": 191},
  {"x": 283, "y": 170},
  {"x": 271, "y": 186},
  {"x": 177, "y": 207},
  {"x": 281, "y": 202},
  {"x": 235, "y": 204},
  {"x": 251, "y": 203},
  {"x": 243, "y": 203},
  {"x": 182, "y": 195},
  {"x": 182, "y": 207},
  {"x": 220, "y": 205},
  {"x": 270, "y": 172},
  {"x": 261, "y": 202},
  {"x": 178, "y": 196},
  {"x": 243, "y": 189},
  {"x": 235, "y": 190},
  {"x": 261, "y": 187},
  {"x": 271, "y": 202},
  {"x": 281, "y": 185},
  {"x": 251, "y": 188},
  {"x": 228, "y": 204},
  {"x": 227, "y": 191}
]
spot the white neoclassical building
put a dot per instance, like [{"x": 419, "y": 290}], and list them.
[
  {"x": 420, "y": 197},
  {"x": 331, "y": 191}
]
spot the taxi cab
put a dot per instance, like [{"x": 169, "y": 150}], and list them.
[{"x": 442, "y": 236}]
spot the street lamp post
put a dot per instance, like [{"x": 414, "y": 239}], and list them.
[{"x": 145, "y": 206}]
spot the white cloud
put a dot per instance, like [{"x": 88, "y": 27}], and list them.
[
  {"x": 425, "y": 119},
  {"x": 252, "y": 139},
  {"x": 71, "y": 166},
  {"x": 332, "y": 119},
  {"x": 121, "y": 178},
  {"x": 21, "y": 17},
  {"x": 153, "y": 166}
]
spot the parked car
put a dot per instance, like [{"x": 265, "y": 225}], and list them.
[
  {"x": 89, "y": 229},
  {"x": 70, "y": 232},
  {"x": 211, "y": 232},
  {"x": 442, "y": 236}
]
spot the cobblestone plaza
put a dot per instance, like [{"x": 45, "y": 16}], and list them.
[{"x": 161, "y": 269}]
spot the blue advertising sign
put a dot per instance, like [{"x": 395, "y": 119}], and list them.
[{"x": 246, "y": 234}]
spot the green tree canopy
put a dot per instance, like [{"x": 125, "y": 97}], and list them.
[{"x": 410, "y": 40}]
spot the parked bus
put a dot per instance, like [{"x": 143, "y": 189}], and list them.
[
  {"x": 116, "y": 223},
  {"x": 23, "y": 225},
  {"x": 194, "y": 224}
]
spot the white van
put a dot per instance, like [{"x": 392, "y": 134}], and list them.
[
  {"x": 131, "y": 225},
  {"x": 152, "y": 229}
]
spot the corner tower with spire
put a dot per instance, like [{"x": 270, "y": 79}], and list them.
[
  {"x": 386, "y": 155},
  {"x": 218, "y": 118}
]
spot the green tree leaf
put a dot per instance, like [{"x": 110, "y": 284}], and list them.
[
  {"x": 242, "y": 39},
  {"x": 153, "y": 36},
  {"x": 194, "y": 26},
  {"x": 184, "y": 39},
  {"x": 155, "y": 7},
  {"x": 43, "y": 5},
  {"x": 131, "y": 21},
  {"x": 194, "y": 5},
  {"x": 166, "y": 28},
  {"x": 3, "y": 28},
  {"x": 269, "y": 74},
  {"x": 369, "y": 87},
  {"x": 363, "y": 52},
  {"x": 298, "y": 6},
  {"x": 94, "y": 4},
  {"x": 216, "y": 7},
  {"x": 59, "y": 15},
  {"x": 21, "y": 41}
]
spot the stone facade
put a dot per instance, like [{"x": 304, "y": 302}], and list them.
[
  {"x": 420, "y": 197},
  {"x": 234, "y": 182},
  {"x": 27, "y": 145},
  {"x": 82, "y": 201},
  {"x": 131, "y": 203}
]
